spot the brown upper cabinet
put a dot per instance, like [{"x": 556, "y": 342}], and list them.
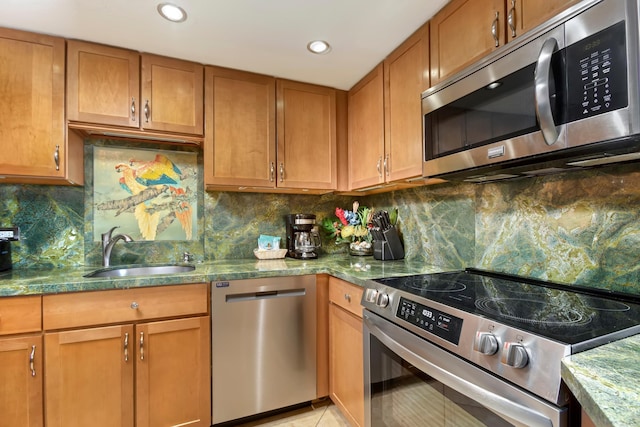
[
  {"x": 119, "y": 87},
  {"x": 406, "y": 76},
  {"x": 32, "y": 127},
  {"x": 464, "y": 31},
  {"x": 265, "y": 134},
  {"x": 523, "y": 15},
  {"x": 385, "y": 119},
  {"x": 366, "y": 131}
]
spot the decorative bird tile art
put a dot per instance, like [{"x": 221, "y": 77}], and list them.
[{"x": 149, "y": 194}]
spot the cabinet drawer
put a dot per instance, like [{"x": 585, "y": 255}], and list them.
[
  {"x": 129, "y": 305},
  {"x": 20, "y": 314},
  {"x": 346, "y": 295}
]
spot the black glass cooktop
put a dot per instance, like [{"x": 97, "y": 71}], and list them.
[{"x": 555, "y": 311}]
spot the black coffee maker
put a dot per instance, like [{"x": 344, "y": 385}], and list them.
[{"x": 302, "y": 236}]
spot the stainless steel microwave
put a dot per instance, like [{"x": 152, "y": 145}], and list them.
[{"x": 566, "y": 95}]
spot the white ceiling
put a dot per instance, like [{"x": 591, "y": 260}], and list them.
[{"x": 263, "y": 36}]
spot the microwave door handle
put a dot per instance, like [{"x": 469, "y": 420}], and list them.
[{"x": 550, "y": 131}]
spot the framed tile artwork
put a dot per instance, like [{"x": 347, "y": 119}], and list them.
[{"x": 148, "y": 194}]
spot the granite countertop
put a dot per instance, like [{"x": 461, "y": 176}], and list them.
[
  {"x": 605, "y": 382},
  {"x": 351, "y": 268}
]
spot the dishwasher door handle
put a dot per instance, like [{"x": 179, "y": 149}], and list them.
[{"x": 256, "y": 296}]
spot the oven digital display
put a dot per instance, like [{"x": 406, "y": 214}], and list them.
[{"x": 434, "y": 321}]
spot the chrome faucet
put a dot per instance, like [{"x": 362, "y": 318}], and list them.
[{"x": 108, "y": 242}]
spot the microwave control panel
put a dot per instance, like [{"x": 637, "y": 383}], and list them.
[
  {"x": 439, "y": 323},
  {"x": 597, "y": 73}
]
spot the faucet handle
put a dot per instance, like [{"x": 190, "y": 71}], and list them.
[{"x": 107, "y": 235}]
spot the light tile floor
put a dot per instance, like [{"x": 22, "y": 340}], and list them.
[{"x": 319, "y": 415}]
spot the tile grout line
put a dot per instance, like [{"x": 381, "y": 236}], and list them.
[{"x": 324, "y": 411}]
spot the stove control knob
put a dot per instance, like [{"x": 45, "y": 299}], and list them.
[
  {"x": 486, "y": 343},
  {"x": 370, "y": 295},
  {"x": 383, "y": 300},
  {"x": 515, "y": 355}
]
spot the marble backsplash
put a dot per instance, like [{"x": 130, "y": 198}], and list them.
[{"x": 580, "y": 228}]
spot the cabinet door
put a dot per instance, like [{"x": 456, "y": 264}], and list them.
[
  {"x": 405, "y": 77},
  {"x": 21, "y": 378},
  {"x": 32, "y": 128},
  {"x": 173, "y": 375},
  {"x": 89, "y": 379},
  {"x": 103, "y": 84},
  {"x": 240, "y": 142},
  {"x": 523, "y": 15},
  {"x": 172, "y": 95},
  {"x": 346, "y": 377},
  {"x": 461, "y": 33},
  {"x": 306, "y": 131},
  {"x": 366, "y": 131}
]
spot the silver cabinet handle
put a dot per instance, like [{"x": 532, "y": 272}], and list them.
[
  {"x": 272, "y": 170},
  {"x": 147, "y": 111},
  {"x": 347, "y": 297},
  {"x": 141, "y": 345},
  {"x": 126, "y": 347},
  {"x": 494, "y": 29},
  {"x": 511, "y": 18},
  {"x": 133, "y": 109},
  {"x": 386, "y": 165},
  {"x": 550, "y": 131},
  {"x": 32, "y": 358},
  {"x": 56, "y": 157},
  {"x": 281, "y": 172},
  {"x": 378, "y": 167},
  {"x": 134, "y": 305}
]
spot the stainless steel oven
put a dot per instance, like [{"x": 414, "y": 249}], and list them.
[{"x": 473, "y": 348}]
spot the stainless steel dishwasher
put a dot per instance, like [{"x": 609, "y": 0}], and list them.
[{"x": 263, "y": 338}]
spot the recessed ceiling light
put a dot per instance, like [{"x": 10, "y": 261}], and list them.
[
  {"x": 172, "y": 12},
  {"x": 319, "y": 47}
]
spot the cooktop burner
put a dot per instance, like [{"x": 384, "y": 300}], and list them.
[{"x": 550, "y": 310}]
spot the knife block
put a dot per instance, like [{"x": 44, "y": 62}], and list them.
[{"x": 390, "y": 247}]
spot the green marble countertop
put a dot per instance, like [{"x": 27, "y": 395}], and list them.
[
  {"x": 605, "y": 382},
  {"x": 353, "y": 269}
]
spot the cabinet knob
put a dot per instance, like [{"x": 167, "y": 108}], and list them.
[
  {"x": 347, "y": 297},
  {"x": 134, "y": 305}
]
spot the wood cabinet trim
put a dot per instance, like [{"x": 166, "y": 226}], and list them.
[
  {"x": 73, "y": 310},
  {"x": 20, "y": 315}
]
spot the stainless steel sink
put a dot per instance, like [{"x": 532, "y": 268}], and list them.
[{"x": 141, "y": 270}]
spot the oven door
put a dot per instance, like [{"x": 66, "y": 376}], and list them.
[{"x": 411, "y": 382}]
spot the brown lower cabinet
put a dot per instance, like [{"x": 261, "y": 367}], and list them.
[
  {"x": 21, "y": 381},
  {"x": 143, "y": 373},
  {"x": 21, "y": 373},
  {"x": 346, "y": 374}
]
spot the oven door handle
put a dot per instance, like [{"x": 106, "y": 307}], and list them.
[{"x": 492, "y": 401}]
